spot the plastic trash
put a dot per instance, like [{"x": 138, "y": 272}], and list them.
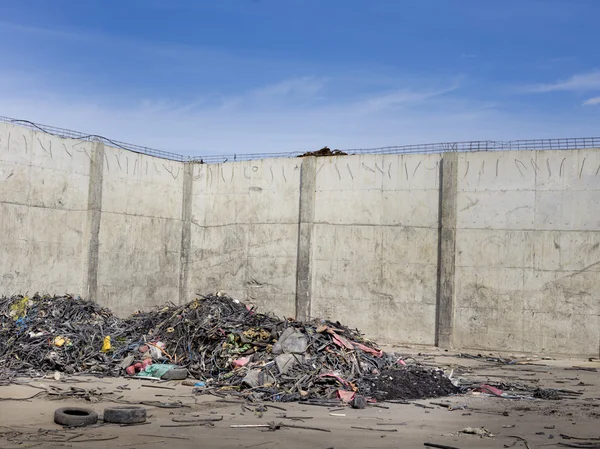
[
  {"x": 156, "y": 370},
  {"x": 106, "y": 344},
  {"x": 156, "y": 350}
]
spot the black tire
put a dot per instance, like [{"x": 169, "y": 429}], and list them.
[
  {"x": 125, "y": 415},
  {"x": 176, "y": 374},
  {"x": 75, "y": 416}
]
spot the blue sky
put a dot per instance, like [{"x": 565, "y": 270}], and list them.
[{"x": 233, "y": 76}]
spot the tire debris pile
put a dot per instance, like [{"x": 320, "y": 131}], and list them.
[{"x": 219, "y": 340}]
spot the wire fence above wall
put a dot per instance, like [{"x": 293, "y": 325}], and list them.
[
  {"x": 69, "y": 134},
  {"x": 572, "y": 143}
]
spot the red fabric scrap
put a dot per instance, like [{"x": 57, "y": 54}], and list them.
[
  {"x": 336, "y": 377},
  {"x": 484, "y": 388},
  {"x": 238, "y": 363},
  {"x": 375, "y": 352},
  {"x": 341, "y": 341},
  {"x": 346, "y": 396}
]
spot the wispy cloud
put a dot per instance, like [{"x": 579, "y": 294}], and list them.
[
  {"x": 48, "y": 32},
  {"x": 592, "y": 101},
  {"x": 260, "y": 122},
  {"x": 380, "y": 102},
  {"x": 289, "y": 93},
  {"x": 580, "y": 82},
  {"x": 277, "y": 105}
]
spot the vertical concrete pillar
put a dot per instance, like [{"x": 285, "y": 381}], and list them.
[
  {"x": 446, "y": 251},
  {"x": 308, "y": 177},
  {"x": 186, "y": 232},
  {"x": 92, "y": 231}
]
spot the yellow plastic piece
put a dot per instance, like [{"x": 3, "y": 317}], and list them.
[{"x": 106, "y": 345}]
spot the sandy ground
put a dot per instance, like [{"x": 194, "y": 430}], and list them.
[{"x": 540, "y": 422}]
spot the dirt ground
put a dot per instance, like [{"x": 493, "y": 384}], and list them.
[{"x": 540, "y": 422}]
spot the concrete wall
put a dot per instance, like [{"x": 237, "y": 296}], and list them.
[
  {"x": 140, "y": 231},
  {"x": 491, "y": 251},
  {"x": 375, "y": 249},
  {"x": 528, "y": 251},
  {"x": 43, "y": 209},
  {"x": 47, "y": 220},
  {"x": 244, "y": 232}
]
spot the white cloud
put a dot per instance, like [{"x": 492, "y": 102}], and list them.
[
  {"x": 592, "y": 101},
  {"x": 580, "y": 82}
]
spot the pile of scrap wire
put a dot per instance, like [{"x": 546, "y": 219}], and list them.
[
  {"x": 60, "y": 333},
  {"x": 225, "y": 343},
  {"x": 218, "y": 339}
]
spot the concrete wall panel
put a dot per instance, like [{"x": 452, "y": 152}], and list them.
[
  {"x": 495, "y": 248},
  {"x": 566, "y": 251},
  {"x": 528, "y": 252},
  {"x": 374, "y": 253},
  {"x": 567, "y": 210},
  {"x": 43, "y": 199},
  {"x": 495, "y": 210},
  {"x": 140, "y": 231},
  {"x": 496, "y": 171},
  {"x": 146, "y": 251},
  {"x": 245, "y": 232}
]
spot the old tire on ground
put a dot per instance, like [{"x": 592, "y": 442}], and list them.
[
  {"x": 176, "y": 374},
  {"x": 125, "y": 415},
  {"x": 75, "y": 416}
]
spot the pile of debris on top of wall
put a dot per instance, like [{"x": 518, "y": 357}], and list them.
[{"x": 325, "y": 151}]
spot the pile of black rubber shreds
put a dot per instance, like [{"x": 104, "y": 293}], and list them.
[
  {"x": 218, "y": 339},
  {"x": 411, "y": 383}
]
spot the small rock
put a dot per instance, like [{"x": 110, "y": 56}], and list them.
[
  {"x": 481, "y": 431},
  {"x": 257, "y": 378},
  {"x": 358, "y": 402}
]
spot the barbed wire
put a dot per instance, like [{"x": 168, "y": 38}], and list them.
[{"x": 571, "y": 143}]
